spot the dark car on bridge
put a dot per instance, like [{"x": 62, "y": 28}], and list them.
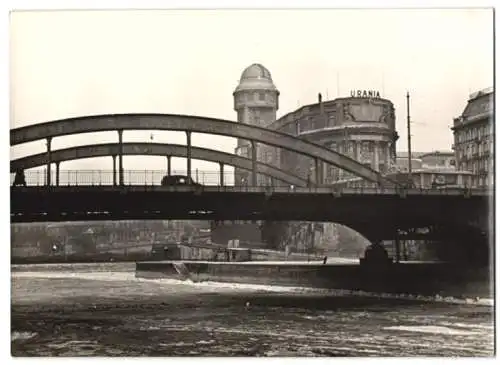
[{"x": 178, "y": 180}]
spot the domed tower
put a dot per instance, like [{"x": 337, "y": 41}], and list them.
[{"x": 256, "y": 102}]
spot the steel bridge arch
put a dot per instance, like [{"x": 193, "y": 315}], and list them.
[
  {"x": 154, "y": 149},
  {"x": 197, "y": 124}
]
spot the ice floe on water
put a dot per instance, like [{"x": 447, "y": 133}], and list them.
[
  {"x": 442, "y": 330},
  {"x": 22, "y": 335},
  {"x": 214, "y": 286}
]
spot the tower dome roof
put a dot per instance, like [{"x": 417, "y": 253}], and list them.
[{"x": 256, "y": 77}]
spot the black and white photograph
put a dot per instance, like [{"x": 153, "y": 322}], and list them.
[{"x": 254, "y": 182}]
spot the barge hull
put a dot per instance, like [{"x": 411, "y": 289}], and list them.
[{"x": 402, "y": 278}]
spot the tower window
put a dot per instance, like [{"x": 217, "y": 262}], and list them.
[{"x": 262, "y": 96}]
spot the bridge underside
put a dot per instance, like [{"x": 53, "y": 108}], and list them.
[{"x": 456, "y": 221}]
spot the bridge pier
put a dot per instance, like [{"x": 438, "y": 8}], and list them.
[
  {"x": 188, "y": 140},
  {"x": 49, "y": 160},
  {"x": 120, "y": 155},
  {"x": 169, "y": 165},
  {"x": 254, "y": 163},
  {"x": 221, "y": 171},
  {"x": 114, "y": 170}
]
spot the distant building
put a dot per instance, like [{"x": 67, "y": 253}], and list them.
[
  {"x": 473, "y": 133},
  {"x": 442, "y": 160},
  {"x": 421, "y": 178},
  {"x": 361, "y": 127},
  {"x": 402, "y": 161},
  {"x": 439, "y": 160}
]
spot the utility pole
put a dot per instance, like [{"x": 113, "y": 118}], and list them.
[{"x": 409, "y": 136}]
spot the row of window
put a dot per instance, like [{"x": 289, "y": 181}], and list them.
[
  {"x": 483, "y": 181},
  {"x": 351, "y": 146},
  {"x": 255, "y": 96},
  {"x": 475, "y": 148},
  {"x": 475, "y": 132},
  {"x": 292, "y": 160},
  {"x": 310, "y": 123},
  {"x": 479, "y": 165}
]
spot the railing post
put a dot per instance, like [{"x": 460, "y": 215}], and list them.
[
  {"x": 317, "y": 171},
  {"x": 221, "y": 173},
  {"x": 188, "y": 139},
  {"x": 57, "y": 173},
  {"x": 169, "y": 165},
  {"x": 49, "y": 160},
  {"x": 120, "y": 156},
  {"x": 114, "y": 170},
  {"x": 254, "y": 163}
]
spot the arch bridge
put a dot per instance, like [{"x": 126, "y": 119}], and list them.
[{"x": 190, "y": 124}]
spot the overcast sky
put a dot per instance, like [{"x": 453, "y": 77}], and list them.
[{"x": 74, "y": 63}]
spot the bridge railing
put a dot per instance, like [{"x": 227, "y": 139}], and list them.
[
  {"x": 212, "y": 179},
  {"x": 130, "y": 177}
]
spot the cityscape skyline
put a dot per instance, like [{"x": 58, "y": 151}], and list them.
[{"x": 41, "y": 79}]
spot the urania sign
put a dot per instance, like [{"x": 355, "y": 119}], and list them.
[{"x": 365, "y": 94}]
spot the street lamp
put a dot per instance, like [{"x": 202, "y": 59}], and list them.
[{"x": 409, "y": 137}]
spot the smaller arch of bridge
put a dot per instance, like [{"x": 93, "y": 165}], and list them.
[{"x": 154, "y": 149}]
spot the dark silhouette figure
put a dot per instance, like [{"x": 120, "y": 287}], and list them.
[
  {"x": 324, "y": 260},
  {"x": 19, "y": 179}
]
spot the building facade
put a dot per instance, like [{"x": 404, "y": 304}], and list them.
[
  {"x": 473, "y": 133},
  {"x": 444, "y": 160},
  {"x": 362, "y": 128}
]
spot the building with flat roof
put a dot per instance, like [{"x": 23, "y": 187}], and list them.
[
  {"x": 473, "y": 133},
  {"x": 436, "y": 160}
]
